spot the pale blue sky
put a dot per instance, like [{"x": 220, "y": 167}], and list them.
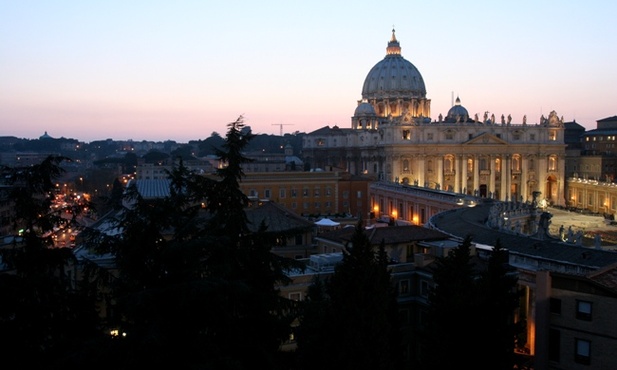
[{"x": 179, "y": 70}]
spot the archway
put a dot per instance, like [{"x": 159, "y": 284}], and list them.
[
  {"x": 483, "y": 192},
  {"x": 551, "y": 189}
]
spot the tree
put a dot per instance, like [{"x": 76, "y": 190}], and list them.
[
  {"x": 196, "y": 288},
  {"x": 360, "y": 326},
  {"x": 468, "y": 302},
  {"x": 43, "y": 317},
  {"x": 452, "y": 312},
  {"x": 498, "y": 302}
]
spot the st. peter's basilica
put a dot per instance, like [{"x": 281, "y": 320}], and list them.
[{"x": 393, "y": 138}]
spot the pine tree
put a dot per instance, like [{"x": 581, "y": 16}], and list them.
[
  {"x": 196, "y": 288},
  {"x": 498, "y": 302},
  {"x": 360, "y": 328},
  {"x": 465, "y": 303},
  {"x": 452, "y": 313},
  {"x": 42, "y": 316}
]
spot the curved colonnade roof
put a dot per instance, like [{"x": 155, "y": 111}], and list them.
[{"x": 461, "y": 222}]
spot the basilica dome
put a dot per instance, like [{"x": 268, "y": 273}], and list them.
[
  {"x": 393, "y": 77},
  {"x": 458, "y": 111},
  {"x": 364, "y": 109}
]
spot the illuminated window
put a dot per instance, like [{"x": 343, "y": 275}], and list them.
[
  {"x": 406, "y": 165},
  {"x": 516, "y": 163},
  {"x": 449, "y": 164},
  {"x": 552, "y": 136},
  {"x": 552, "y": 163},
  {"x": 406, "y": 135}
]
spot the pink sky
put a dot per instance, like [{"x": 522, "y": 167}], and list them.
[{"x": 180, "y": 71}]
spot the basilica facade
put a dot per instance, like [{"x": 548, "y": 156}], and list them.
[{"x": 394, "y": 139}]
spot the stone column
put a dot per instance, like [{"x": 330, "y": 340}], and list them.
[
  {"x": 491, "y": 178},
  {"x": 542, "y": 169},
  {"x": 421, "y": 160},
  {"x": 464, "y": 174},
  {"x": 476, "y": 174},
  {"x": 505, "y": 175},
  {"x": 439, "y": 160},
  {"x": 524, "y": 178},
  {"x": 457, "y": 174}
]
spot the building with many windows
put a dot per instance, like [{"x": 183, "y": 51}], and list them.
[{"x": 394, "y": 138}]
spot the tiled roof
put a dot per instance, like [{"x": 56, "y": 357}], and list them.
[
  {"x": 390, "y": 235},
  {"x": 277, "y": 218},
  {"x": 152, "y": 189}
]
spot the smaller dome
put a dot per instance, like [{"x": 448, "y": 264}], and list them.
[
  {"x": 457, "y": 111},
  {"x": 364, "y": 109}
]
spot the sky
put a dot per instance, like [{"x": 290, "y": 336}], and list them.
[{"x": 181, "y": 70}]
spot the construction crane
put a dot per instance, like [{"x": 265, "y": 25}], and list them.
[{"x": 282, "y": 124}]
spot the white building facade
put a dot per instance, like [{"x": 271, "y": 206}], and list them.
[{"x": 393, "y": 138}]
